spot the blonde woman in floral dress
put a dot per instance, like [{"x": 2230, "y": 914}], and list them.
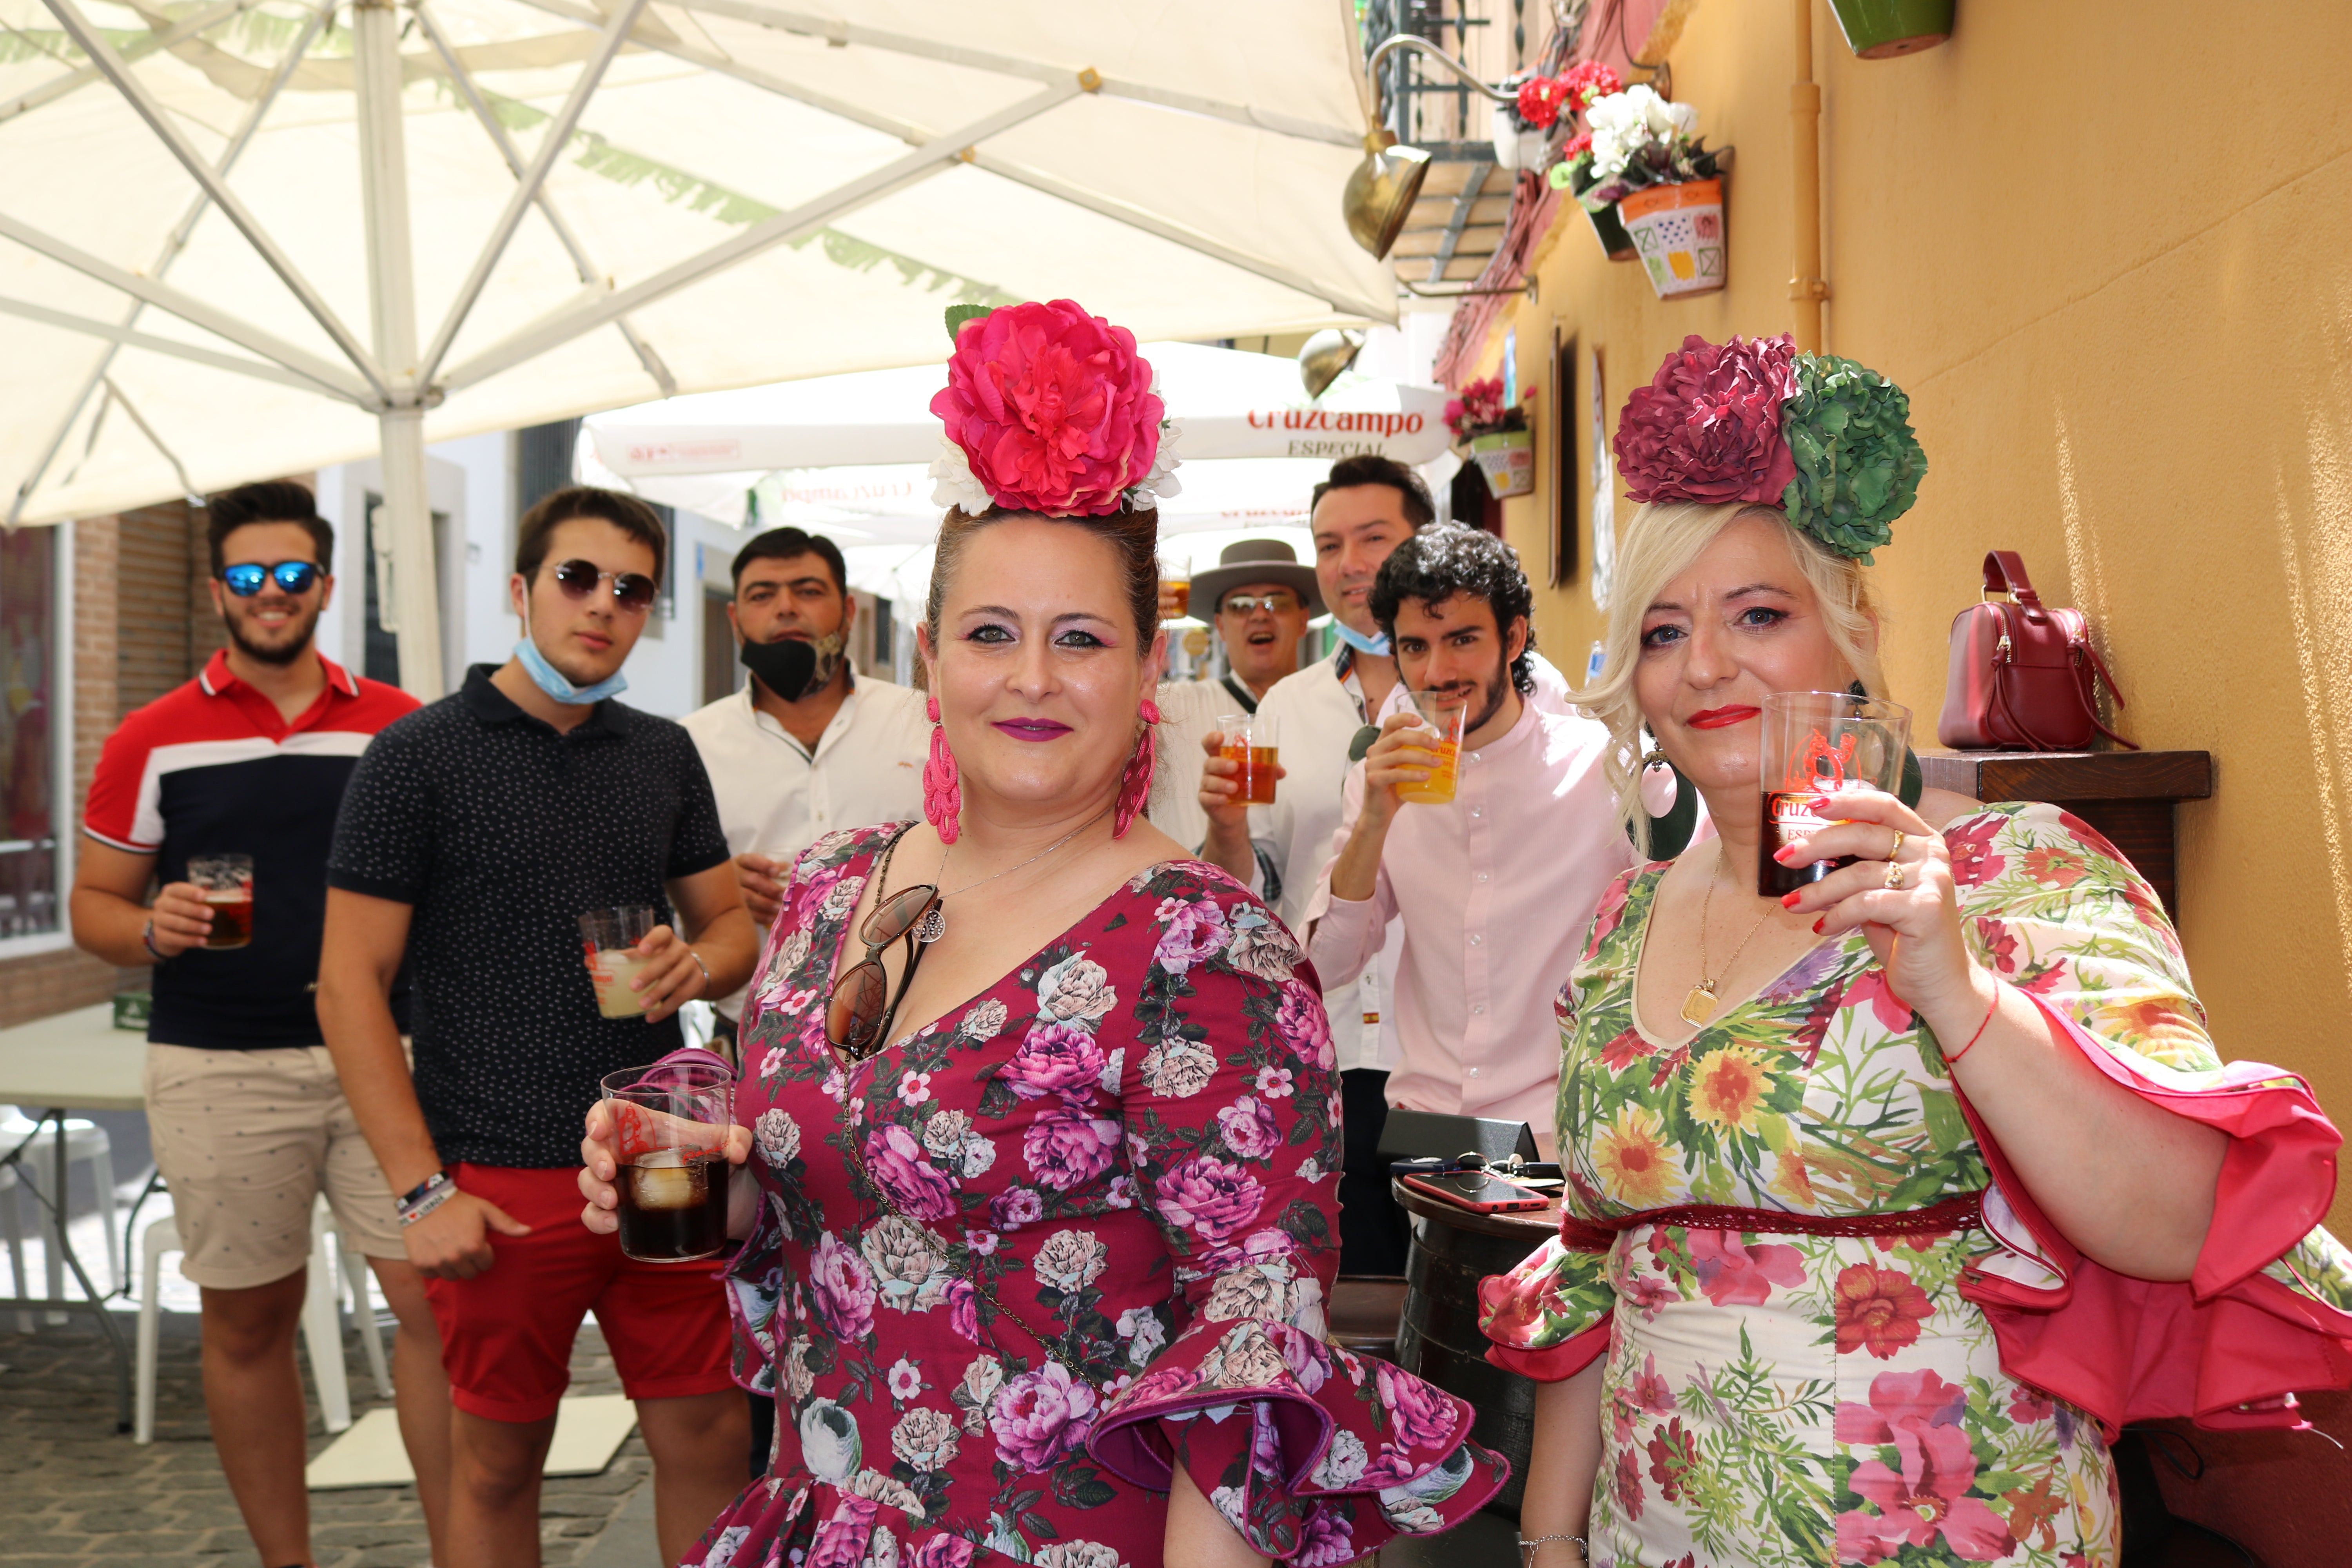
[
  {"x": 1890, "y": 1202},
  {"x": 1042, "y": 1143}
]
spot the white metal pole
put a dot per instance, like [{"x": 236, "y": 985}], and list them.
[{"x": 407, "y": 513}]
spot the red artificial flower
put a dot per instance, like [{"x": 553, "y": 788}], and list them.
[
  {"x": 1539, "y": 102},
  {"x": 1576, "y": 147},
  {"x": 1052, "y": 408},
  {"x": 1708, "y": 427},
  {"x": 1878, "y": 1310},
  {"x": 1589, "y": 79}
]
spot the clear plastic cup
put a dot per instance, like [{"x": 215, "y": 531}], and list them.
[
  {"x": 609, "y": 939},
  {"x": 227, "y": 882},
  {"x": 1247, "y": 740},
  {"x": 669, "y": 1141},
  {"x": 1442, "y": 712},
  {"x": 1819, "y": 745}
]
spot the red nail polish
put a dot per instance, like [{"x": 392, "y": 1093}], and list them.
[
  {"x": 1789, "y": 901},
  {"x": 1819, "y": 923}
]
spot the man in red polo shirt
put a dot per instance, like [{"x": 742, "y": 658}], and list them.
[{"x": 249, "y": 1120}]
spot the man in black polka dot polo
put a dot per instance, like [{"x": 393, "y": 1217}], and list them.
[{"x": 475, "y": 833}]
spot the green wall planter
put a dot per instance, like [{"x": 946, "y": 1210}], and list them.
[
  {"x": 1615, "y": 243},
  {"x": 1882, "y": 30}
]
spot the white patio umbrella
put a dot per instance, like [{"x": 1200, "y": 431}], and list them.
[
  {"x": 851, "y": 449},
  {"x": 258, "y": 236}
]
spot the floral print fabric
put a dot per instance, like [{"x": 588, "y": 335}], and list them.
[
  {"x": 1776, "y": 1399},
  {"x": 1015, "y": 1265}
]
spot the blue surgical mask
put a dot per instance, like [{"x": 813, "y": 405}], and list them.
[
  {"x": 557, "y": 685},
  {"x": 1355, "y": 639}
]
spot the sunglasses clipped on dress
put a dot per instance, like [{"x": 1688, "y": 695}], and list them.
[
  {"x": 294, "y": 576},
  {"x": 857, "y": 1014},
  {"x": 631, "y": 590}
]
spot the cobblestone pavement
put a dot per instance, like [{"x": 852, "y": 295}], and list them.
[{"x": 72, "y": 1493}]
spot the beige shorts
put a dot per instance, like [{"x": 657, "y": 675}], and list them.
[{"x": 247, "y": 1140}]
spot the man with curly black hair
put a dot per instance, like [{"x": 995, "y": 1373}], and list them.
[{"x": 1496, "y": 886}]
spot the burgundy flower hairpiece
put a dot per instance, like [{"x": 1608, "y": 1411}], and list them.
[
  {"x": 1050, "y": 410},
  {"x": 1708, "y": 427}
]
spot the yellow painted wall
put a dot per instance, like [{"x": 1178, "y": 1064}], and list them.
[{"x": 2107, "y": 246}]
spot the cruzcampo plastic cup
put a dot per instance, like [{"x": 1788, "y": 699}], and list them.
[
  {"x": 670, "y": 1142},
  {"x": 1819, "y": 745},
  {"x": 609, "y": 939}
]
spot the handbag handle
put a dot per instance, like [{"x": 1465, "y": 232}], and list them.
[{"x": 2004, "y": 572}]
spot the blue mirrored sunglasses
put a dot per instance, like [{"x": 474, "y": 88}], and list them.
[{"x": 294, "y": 576}]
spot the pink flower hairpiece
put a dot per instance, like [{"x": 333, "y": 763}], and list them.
[
  {"x": 1050, "y": 410},
  {"x": 1708, "y": 427}
]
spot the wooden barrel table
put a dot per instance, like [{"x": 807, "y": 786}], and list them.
[{"x": 1453, "y": 1249}]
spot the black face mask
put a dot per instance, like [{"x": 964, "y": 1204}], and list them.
[{"x": 793, "y": 668}]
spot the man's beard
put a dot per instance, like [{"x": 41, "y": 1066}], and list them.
[
  {"x": 1495, "y": 693},
  {"x": 294, "y": 647}
]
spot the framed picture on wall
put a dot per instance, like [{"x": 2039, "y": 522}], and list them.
[{"x": 1564, "y": 488}]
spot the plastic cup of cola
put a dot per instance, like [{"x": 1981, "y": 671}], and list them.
[{"x": 670, "y": 1123}]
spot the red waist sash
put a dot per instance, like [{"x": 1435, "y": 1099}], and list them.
[{"x": 1962, "y": 1212}]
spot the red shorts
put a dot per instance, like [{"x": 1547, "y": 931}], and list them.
[{"x": 507, "y": 1333}]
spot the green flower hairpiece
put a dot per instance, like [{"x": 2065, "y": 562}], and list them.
[{"x": 1858, "y": 465}]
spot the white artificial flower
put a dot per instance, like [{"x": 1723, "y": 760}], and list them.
[
  {"x": 959, "y": 486},
  {"x": 1161, "y": 483}
]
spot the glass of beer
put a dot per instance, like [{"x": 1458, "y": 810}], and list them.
[
  {"x": 1819, "y": 745},
  {"x": 1442, "y": 712},
  {"x": 609, "y": 939},
  {"x": 669, "y": 1140},
  {"x": 1247, "y": 741},
  {"x": 1176, "y": 576},
  {"x": 227, "y": 882}
]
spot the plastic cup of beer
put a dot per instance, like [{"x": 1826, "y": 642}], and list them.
[
  {"x": 1246, "y": 739},
  {"x": 1817, "y": 746},
  {"x": 1443, "y": 714},
  {"x": 227, "y": 883},
  {"x": 670, "y": 1124},
  {"x": 1176, "y": 576},
  {"x": 609, "y": 938}
]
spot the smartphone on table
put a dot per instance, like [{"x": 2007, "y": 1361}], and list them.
[{"x": 1480, "y": 1192}]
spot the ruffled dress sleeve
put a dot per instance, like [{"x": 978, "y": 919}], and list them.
[
  {"x": 1314, "y": 1455},
  {"x": 2054, "y": 909},
  {"x": 1549, "y": 1318}
]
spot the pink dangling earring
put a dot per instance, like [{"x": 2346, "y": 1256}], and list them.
[
  {"x": 942, "y": 789},
  {"x": 1135, "y": 784}
]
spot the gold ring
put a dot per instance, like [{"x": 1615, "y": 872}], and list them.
[
  {"x": 1896, "y": 852},
  {"x": 1894, "y": 874}
]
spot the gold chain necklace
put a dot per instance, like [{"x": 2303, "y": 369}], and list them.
[{"x": 1700, "y": 1005}]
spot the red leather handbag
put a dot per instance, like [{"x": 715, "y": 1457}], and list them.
[{"x": 2023, "y": 677}]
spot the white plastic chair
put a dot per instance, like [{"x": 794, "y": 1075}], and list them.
[
  {"x": 86, "y": 1143},
  {"x": 323, "y": 1327}
]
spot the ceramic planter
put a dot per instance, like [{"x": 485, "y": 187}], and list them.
[
  {"x": 1508, "y": 458},
  {"x": 1678, "y": 232},
  {"x": 1882, "y": 30},
  {"x": 1515, "y": 149}
]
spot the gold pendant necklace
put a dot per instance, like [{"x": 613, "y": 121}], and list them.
[{"x": 1700, "y": 1005}]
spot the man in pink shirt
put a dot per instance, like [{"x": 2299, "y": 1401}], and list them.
[{"x": 1497, "y": 887}]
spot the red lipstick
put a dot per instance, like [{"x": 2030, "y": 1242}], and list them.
[{"x": 1722, "y": 717}]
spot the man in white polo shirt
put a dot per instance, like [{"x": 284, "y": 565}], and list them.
[{"x": 806, "y": 747}]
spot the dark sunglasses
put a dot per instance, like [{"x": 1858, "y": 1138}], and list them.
[
  {"x": 1278, "y": 601},
  {"x": 631, "y": 590},
  {"x": 294, "y": 576},
  {"x": 858, "y": 1016}
]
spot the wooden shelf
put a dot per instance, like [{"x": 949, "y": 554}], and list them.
[{"x": 2128, "y": 797}]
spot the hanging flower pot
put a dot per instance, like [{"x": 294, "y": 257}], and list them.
[
  {"x": 1678, "y": 231},
  {"x": 1508, "y": 458},
  {"x": 1882, "y": 30},
  {"x": 1516, "y": 148}
]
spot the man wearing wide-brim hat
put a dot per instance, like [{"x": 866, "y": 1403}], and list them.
[{"x": 1259, "y": 598}]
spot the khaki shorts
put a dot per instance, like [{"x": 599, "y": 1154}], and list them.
[{"x": 247, "y": 1140}]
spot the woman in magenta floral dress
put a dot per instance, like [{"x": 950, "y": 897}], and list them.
[
  {"x": 1040, "y": 1214},
  {"x": 1889, "y": 1202}
]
